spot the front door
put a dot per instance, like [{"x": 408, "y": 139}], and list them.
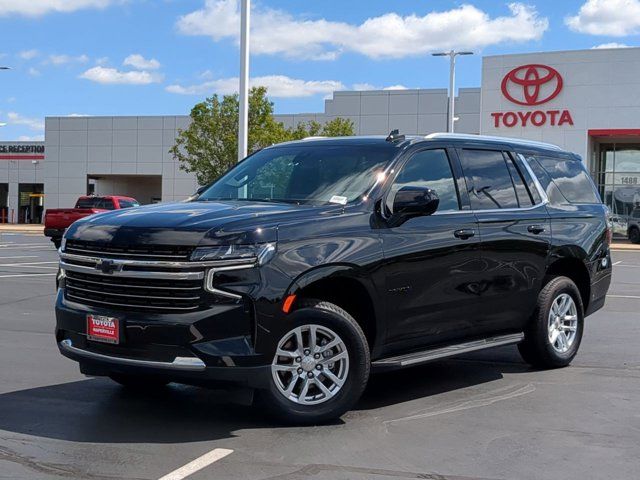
[
  {"x": 516, "y": 236},
  {"x": 431, "y": 262}
]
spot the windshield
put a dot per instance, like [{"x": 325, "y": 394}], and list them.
[{"x": 303, "y": 174}]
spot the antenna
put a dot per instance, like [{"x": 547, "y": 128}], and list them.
[{"x": 395, "y": 136}]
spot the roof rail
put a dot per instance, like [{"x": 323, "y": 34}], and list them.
[
  {"x": 314, "y": 137},
  {"x": 516, "y": 141}
]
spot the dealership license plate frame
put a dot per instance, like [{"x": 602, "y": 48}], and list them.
[{"x": 103, "y": 329}]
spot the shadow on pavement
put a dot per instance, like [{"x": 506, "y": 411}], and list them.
[{"x": 99, "y": 411}]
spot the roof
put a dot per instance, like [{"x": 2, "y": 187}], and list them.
[{"x": 381, "y": 140}]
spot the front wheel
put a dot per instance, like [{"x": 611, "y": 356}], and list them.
[
  {"x": 634, "y": 235},
  {"x": 320, "y": 367},
  {"x": 555, "y": 332}
]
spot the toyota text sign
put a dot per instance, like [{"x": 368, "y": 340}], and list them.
[{"x": 530, "y": 86}]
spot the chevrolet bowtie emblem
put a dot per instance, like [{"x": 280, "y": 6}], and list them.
[{"x": 108, "y": 266}]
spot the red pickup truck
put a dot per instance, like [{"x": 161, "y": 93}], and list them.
[{"x": 57, "y": 220}]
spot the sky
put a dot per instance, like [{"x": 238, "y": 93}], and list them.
[{"x": 161, "y": 57}]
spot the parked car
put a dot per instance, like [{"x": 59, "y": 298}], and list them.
[
  {"x": 313, "y": 263},
  {"x": 633, "y": 226},
  {"x": 57, "y": 220}
]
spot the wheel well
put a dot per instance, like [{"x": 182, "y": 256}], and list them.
[
  {"x": 350, "y": 295},
  {"x": 576, "y": 271}
]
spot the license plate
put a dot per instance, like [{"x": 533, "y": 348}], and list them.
[{"x": 103, "y": 329}]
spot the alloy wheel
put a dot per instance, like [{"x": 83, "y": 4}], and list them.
[
  {"x": 311, "y": 365},
  {"x": 563, "y": 323}
]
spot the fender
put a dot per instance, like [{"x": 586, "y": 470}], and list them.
[{"x": 346, "y": 270}]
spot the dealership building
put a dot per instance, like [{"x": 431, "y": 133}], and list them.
[{"x": 586, "y": 101}]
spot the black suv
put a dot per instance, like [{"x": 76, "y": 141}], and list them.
[{"x": 311, "y": 264}]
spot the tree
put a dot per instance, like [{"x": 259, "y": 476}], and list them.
[{"x": 209, "y": 146}]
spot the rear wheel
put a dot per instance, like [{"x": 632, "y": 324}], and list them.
[
  {"x": 634, "y": 235},
  {"x": 321, "y": 365},
  {"x": 554, "y": 335},
  {"x": 138, "y": 382}
]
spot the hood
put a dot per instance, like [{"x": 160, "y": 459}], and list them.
[{"x": 193, "y": 223}]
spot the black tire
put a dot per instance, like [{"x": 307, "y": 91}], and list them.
[
  {"x": 536, "y": 349},
  {"x": 139, "y": 382},
  {"x": 634, "y": 235},
  {"x": 324, "y": 314},
  {"x": 57, "y": 242}
]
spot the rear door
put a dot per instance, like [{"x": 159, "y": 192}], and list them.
[
  {"x": 516, "y": 235},
  {"x": 432, "y": 263}
]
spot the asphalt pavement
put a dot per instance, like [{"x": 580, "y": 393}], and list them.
[{"x": 484, "y": 416}]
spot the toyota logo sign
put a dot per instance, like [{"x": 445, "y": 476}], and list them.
[{"x": 532, "y": 84}]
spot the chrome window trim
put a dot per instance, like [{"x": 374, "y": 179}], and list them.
[{"x": 179, "y": 363}]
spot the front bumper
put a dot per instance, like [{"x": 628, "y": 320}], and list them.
[{"x": 212, "y": 345}]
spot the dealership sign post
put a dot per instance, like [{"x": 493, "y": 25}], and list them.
[{"x": 530, "y": 86}]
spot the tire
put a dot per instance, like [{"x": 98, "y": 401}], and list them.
[
  {"x": 537, "y": 348},
  {"x": 57, "y": 242},
  {"x": 350, "y": 370},
  {"x": 634, "y": 235},
  {"x": 138, "y": 382}
]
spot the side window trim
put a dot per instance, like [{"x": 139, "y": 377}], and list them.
[
  {"x": 541, "y": 191},
  {"x": 514, "y": 169}
]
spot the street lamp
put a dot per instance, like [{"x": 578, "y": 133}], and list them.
[
  {"x": 243, "y": 127},
  {"x": 452, "y": 54}
]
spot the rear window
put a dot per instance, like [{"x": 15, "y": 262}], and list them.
[
  {"x": 89, "y": 202},
  {"x": 569, "y": 177}
]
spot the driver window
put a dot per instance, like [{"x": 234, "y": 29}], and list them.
[{"x": 429, "y": 168}]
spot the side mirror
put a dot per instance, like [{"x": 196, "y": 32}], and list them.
[
  {"x": 412, "y": 202},
  {"x": 201, "y": 189}
]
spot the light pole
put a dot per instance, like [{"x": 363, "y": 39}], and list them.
[
  {"x": 452, "y": 54},
  {"x": 243, "y": 127}
]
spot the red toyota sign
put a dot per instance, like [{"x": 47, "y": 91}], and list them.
[
  {"x": 535, "y": 84},
  {"x": 531, "y": 85}
]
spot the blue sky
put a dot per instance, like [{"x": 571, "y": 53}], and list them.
[{"x": 151, "y": 57}]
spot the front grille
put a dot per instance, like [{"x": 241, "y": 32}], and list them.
[
  {"x": 134, "y": 293},
  {"x": 143, "y": 284},
  {"x": 141, "y": 252}
]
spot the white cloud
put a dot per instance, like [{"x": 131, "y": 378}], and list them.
[
  {"x": 112, "y": 76},
  {"x": 616, "y": 18},
  {"x": 33, "y": 72},
  {"x": 36, "y": 124},
  {"x": 368, "y": 86},
  {"x": 28, "y": 54},
  {"x": 31, "y": 138},
  {"x": 611, "y": 45},
  {"x": 138, "y": 61},
  {"x": 386, "y": 36},
  {"x": 59, "y": 60},
  {"x": 34, "y": 8},
  {"x": 279, "y": 86}
]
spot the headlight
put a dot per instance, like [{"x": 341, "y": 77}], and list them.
[{"x": 261, "y": 253}]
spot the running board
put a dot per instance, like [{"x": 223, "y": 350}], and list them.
[{"x": 417, "y": 358}]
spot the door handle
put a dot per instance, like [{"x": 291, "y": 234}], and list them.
[
  {"x": 535, "y": 229},
  {"x": 464, "y": 234}
]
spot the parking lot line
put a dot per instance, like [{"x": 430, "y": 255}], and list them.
[
  {"x": 26, "y": 264},
  {"x": 19, "y": 256},
  {"x": 29, "y": 275},
  {"x": 624, "y": 296},
  {"x": 198, "y": 464}
]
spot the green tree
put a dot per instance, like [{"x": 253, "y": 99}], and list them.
[{"x": 208, "y": 147}]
